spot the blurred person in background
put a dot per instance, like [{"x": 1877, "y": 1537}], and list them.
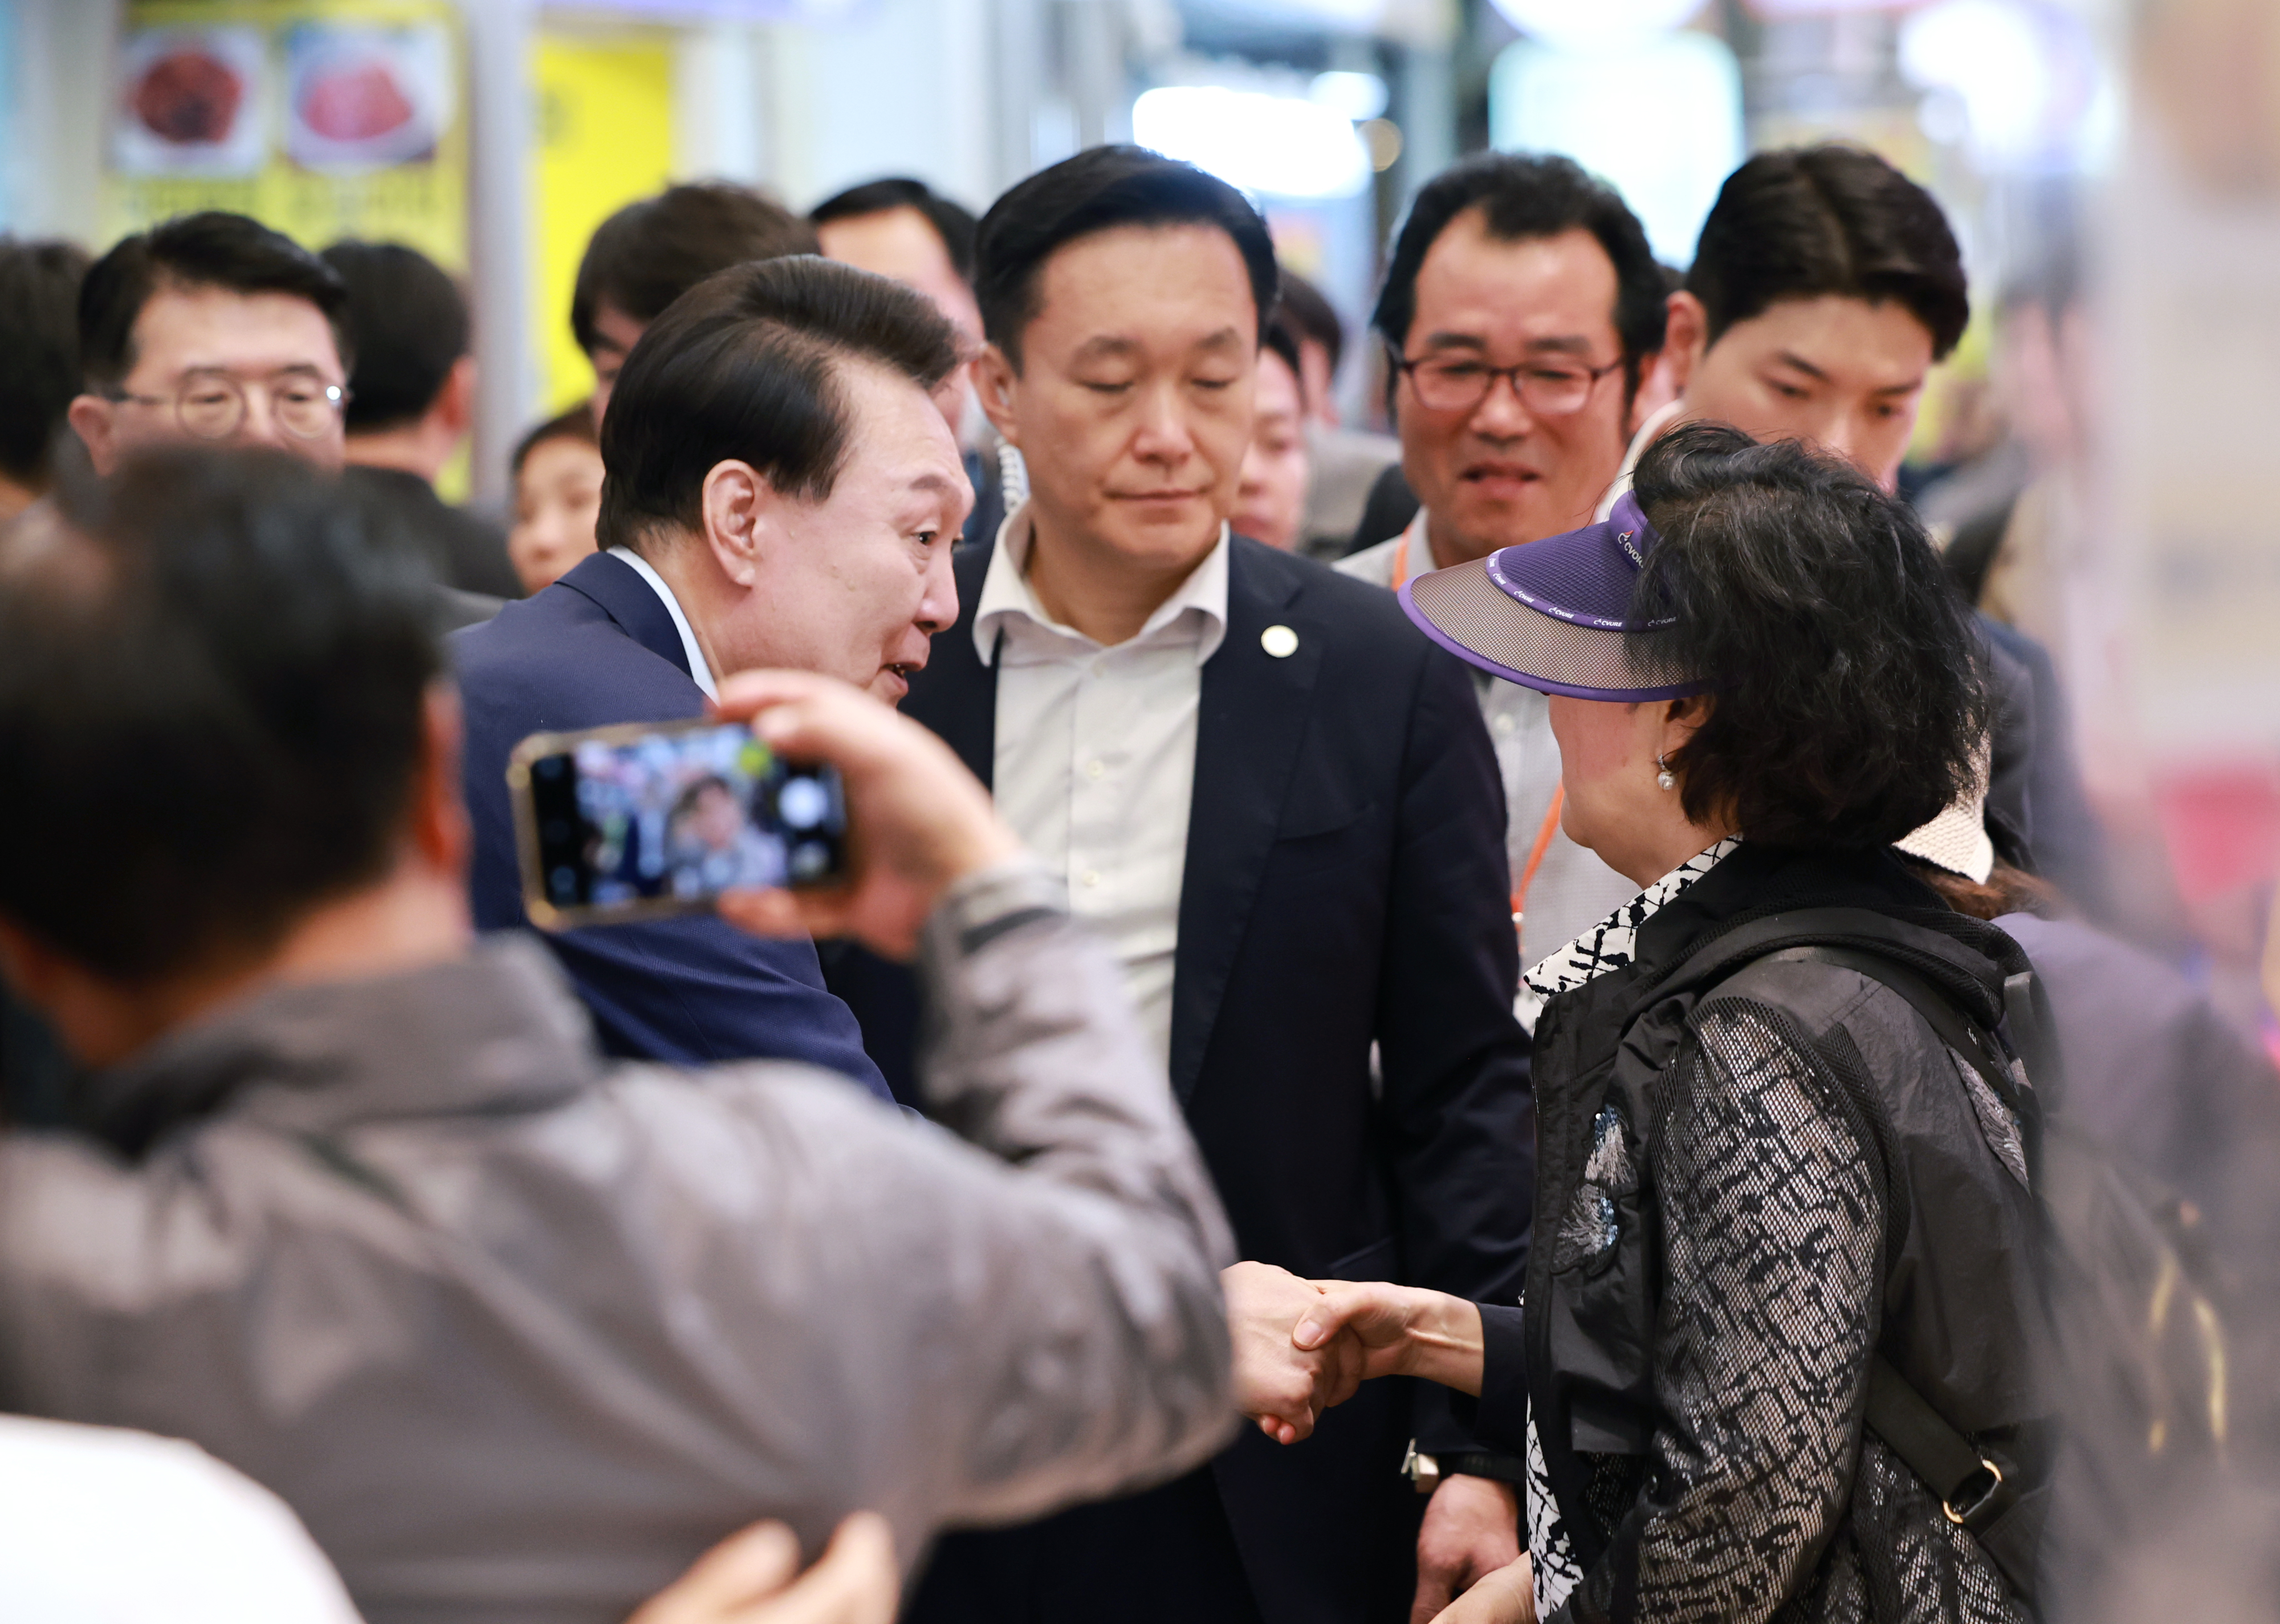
[
  {"x": 213, "y": 329},
  {"x": 1270, "y": 497},
  {"x": 904, "y": 230},
  {"x": 1824, "y": 287},
  {"x": 1779, "y": 1192},
  {"x": 1280, "y": 805},
  {"x": 649, "y": 253},
  {"x": 39, "y": 361},
  {"x": 780, "y": 492},
  {"x": 1346, "y": 462},
  {"x": 557, "y": 497},
  {"x": 1522, "y": 309},
  {"x": 359, "y": 1206},
  {"x": 412, "y": 401}
]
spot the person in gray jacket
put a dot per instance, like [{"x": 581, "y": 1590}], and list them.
[{"x": 354, "y": 1202}]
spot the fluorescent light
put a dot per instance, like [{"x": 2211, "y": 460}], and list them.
[
  {"x": 1284, "y": 146},
  {"x": 1584, "y": 25},
  {"x": 1356, "y": 96}
]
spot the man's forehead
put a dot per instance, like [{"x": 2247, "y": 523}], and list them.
[
  {"x": 1880, "y": 345},
  {"x": 1471, "y": 281},
  {"x": 189, "y": 328}
]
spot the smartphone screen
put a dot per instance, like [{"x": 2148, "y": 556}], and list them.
[{"x": 632, "y": 822}]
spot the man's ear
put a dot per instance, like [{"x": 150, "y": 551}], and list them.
[
  {"x": 440, "y": 829},
  {"x": 742, "y": 513},
  {"x": 90, "y": 418},
  {"x": 1686, "y": 337},
  {"x": 995, "y": 381},
  {"x": 454, "y": 407}
]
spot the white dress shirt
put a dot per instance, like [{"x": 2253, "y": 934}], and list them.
[
  {"x": 699, "y": 667},
  {"x": 1572, "y": 887},
  {"x": 1096, "y": 757}
]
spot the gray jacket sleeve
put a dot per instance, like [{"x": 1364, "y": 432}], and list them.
[{"x": 1027, "y": 1314}]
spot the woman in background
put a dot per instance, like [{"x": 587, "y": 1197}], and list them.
[{"x": 558, "y": 494}]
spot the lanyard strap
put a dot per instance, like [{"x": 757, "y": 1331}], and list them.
[{"x": 1550, "y": 824}]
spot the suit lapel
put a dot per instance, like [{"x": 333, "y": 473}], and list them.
[
  {"x": 616, "y": 588},
  {"x": 956, "y": 695},
  {"x": 1252, "y": 716}
]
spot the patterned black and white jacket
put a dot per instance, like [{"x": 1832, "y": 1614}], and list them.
[{"x": 1748, "y": 1185}]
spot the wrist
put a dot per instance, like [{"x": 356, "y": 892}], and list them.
[{"x": 1444, "y": 1342}]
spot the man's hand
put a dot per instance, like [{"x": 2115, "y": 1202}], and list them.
[
  {"x": 748, "y": 1579},
  {"x": 1471, "y": 1534},
  {"x": 917, "y": 821},
  {"x": 1505, "y": 1596},
  {"x": 1279, "y": 1385}
]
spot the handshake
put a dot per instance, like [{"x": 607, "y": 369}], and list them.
[{"x": 1302, "y": 1346}]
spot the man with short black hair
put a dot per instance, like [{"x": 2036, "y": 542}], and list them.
[
  {"x": 1825, "y": 286},
  {"x": 1278, "y": 802},
  {"x": 352, "y": 1201},
  {"x": 39, "y": 361},
  {"x": 412, "y": 401},
  {"x": 213, "y": 329},
  {"x": 780, "y": 492},
  {"x": 650, "y": 252},
  {"x": 1520, "y": 311}
]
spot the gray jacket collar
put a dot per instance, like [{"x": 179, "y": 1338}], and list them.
[{"x": 498, "y": 1030}]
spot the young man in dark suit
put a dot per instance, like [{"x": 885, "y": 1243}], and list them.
[
  {"x": 1280, "y": 805},
  {"x": 780, "y": 492}
]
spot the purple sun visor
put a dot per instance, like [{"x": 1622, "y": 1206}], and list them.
[{"x": 1553, "y": 615}]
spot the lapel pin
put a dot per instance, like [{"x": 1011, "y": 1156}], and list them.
[{"x": 1280, "y": 640}]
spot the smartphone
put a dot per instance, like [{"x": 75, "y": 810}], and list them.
[{"x": 640, "y": 821}]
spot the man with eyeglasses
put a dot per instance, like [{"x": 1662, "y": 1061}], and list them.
[
  {"x": 213, "y": 328},
  {"x": 1520, "y": 311}
]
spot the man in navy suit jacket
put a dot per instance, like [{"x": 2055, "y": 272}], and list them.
[
  {"x": 780, "y": 492},
  {"x": 1280, "y": 804}
]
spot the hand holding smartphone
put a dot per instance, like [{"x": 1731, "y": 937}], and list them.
[{"x": 641, "y": 822}]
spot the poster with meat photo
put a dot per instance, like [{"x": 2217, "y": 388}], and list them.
[
  {"x": 363, "y": 99},
  {"x": 191, "y": 102}
]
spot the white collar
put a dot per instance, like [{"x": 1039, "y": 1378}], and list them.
[
  {"x": 699, "y": 667},
  {"x": 1610, "y": 944},
  {"x": 1658, "y": 420},
  {"x": 1005, "y": 594}
]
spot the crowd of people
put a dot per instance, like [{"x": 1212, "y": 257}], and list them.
[{"x": 1463, "y": 1024}]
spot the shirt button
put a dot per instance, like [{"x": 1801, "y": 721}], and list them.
[
  {"x": 1094, "y": 769},
  {"x": 1092, "y": 877},
  {"x": 1504, "y": 724}
]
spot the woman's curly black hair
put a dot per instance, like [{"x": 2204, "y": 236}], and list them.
[{"x": 1852, "y": 703}]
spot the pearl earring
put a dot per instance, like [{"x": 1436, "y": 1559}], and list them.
[{"x": 1663, "y": 780}]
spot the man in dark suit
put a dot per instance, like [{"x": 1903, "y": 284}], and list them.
[
  {"x": 780, "y": 492},
  {"x": 1281, "y": 808}
]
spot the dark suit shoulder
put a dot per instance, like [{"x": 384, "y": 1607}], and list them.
[{"x": 1360, "y": 606}]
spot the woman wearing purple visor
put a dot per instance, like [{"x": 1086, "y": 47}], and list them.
[{"x": 1777, "y": 1223}]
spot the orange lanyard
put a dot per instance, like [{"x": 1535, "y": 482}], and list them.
[{"x": 1550, "y": 824}]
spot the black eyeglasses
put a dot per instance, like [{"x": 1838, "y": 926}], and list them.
[
  {"x": 1460, "y": 382},
  {"x": 212, "y": 405}
]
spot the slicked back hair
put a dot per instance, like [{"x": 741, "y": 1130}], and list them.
[
  {"x": 1522, "y": 197},
  {"x": 746, "y": 367},
  {"x": 1811, "y": 221},
  {"x": 211, "y": 249},
  {"x": 649, "y": 253},
  {"x": 953, "y": 222},
  {"x": 213, "y": 668},
  {"x": 1100, "y": 189},
  {"x": 1852, "y": 702}
]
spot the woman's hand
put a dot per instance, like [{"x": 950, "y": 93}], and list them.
[
  {"x": 1281, "y": 1386},
  {"x": 1398, "y": 1331},
  {"x": 1505, "y": 1596},
  {"x": 754, "y": 1578}
]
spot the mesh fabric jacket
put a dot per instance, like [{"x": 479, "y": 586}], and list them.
[{"x": 1752, "y": 1182}]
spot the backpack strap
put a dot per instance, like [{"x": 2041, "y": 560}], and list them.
[{"x": 1974, "y": 1493}]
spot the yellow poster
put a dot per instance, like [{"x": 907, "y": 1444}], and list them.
[
  {"x": 604, "y": 138},
  {"x": 324, "y": 118}
]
